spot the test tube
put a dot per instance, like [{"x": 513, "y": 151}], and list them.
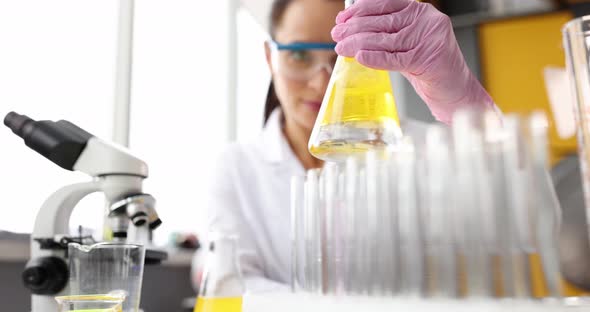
[
  {"x": 461, "y": 124},
  {"x": 441, "y": 252},
  {"x": 340, "y": 236},
  {"x": 322, "y": 234},
  {"x": 495, "y": 136},
  {"x": 313, "y": 232},
  {"x": 372, "y": 239},
  {"x": 330, "y": 173},
  {"x": 394, "y": 276},
  {"x": 545, "y": 202},
  {"x": 362, "y": 236},
  {"x": 351, "y": 248},
  {"x": 475, "y": 265},
  {"x": 515, "y": 170},
  {"x": 483, "y": 214},
  {"x": 297, "y": 235},
  {"x": 386, "y": 231},
  {"x": 409, "y": 223}
]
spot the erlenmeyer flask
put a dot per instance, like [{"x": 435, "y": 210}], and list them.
[
  {"x": 222, "y": 285},
  {"x": 358, "y": 113}
]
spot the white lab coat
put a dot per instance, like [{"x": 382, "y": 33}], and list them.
[{"x": 250, "y": 196}]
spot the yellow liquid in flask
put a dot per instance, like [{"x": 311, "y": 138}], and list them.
[
  {"x": 358, "y": 113},
  {"x": 233, "y": 304}
]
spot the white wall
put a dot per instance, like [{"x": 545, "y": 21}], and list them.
[
  {"x": 259, "y": 9},
  {"x": 57, "y": 62},
  {"x": 253, "y": 76},
  {"x": 180, "y": 104}
]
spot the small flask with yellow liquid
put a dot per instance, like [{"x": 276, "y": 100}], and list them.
[
  {"x": 358, "y": 113},
  {"x": 222, "y": 286}
]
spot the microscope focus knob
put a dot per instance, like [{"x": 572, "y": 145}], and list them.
[{"x": 45, "y": 275}]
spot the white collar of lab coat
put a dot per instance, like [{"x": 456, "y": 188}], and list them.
[{"x": 274, "y": 146}]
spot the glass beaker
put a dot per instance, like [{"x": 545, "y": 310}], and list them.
[
  {"x": 107, "y": 268},
  {"x": 576, "y": 36},
  {"x": 222, "y": 285},
  {"x": 358, "y": 113},
  {"x": 91, "y": 303}
]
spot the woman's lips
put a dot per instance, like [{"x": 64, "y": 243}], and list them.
[{"x": 314, "y": 105}]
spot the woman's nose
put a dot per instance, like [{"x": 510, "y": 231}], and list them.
[{"x": 320, "y": 80}]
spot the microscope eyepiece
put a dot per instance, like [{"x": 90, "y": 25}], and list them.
[
  {"x": 19, "y": 124},
  {"x": 61, "y": 142}
]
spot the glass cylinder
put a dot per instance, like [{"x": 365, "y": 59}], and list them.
[{"x": 576, "y": 36}]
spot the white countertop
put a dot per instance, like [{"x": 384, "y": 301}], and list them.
[{"x": 313, "y": 303}]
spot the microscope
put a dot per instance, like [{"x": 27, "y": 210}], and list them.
[{"x": 131, "y": 215}]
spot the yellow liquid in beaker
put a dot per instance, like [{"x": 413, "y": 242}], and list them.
[
  {"x": 358, "y": 113},
  {"x": 90, "y": 303},
  {"x": 233, "y": 304}
]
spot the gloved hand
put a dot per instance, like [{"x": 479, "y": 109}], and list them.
[{"x": 417, "y": 40}]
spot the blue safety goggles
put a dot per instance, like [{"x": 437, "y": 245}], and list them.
[
  {"x": 301, "y": 46},
  {"x": 302, "y": 60}
]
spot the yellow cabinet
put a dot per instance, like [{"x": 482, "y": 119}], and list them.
[{"x": 514, "y": 53}]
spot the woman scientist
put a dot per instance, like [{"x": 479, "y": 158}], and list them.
[{"x": 250, "y": 194}]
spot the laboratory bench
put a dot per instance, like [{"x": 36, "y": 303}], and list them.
[{"x": 165, "y": 287}]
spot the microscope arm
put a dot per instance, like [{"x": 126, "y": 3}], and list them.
[
  {"x": 46, "y": 273},
  {"x": 54, "y": 216}
]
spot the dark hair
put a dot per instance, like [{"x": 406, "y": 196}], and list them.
[
  {"x": 272, "y": 102},
  {"x": 276, "y": 14}
]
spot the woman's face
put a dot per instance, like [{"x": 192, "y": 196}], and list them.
[{"x": 304, "y": 21}]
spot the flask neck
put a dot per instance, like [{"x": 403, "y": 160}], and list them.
[
  {"x": 223, "y": 251},
  {"x": 222, "y": 277}
]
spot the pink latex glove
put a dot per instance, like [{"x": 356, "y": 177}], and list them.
[{"x": 417, "y": 40}]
